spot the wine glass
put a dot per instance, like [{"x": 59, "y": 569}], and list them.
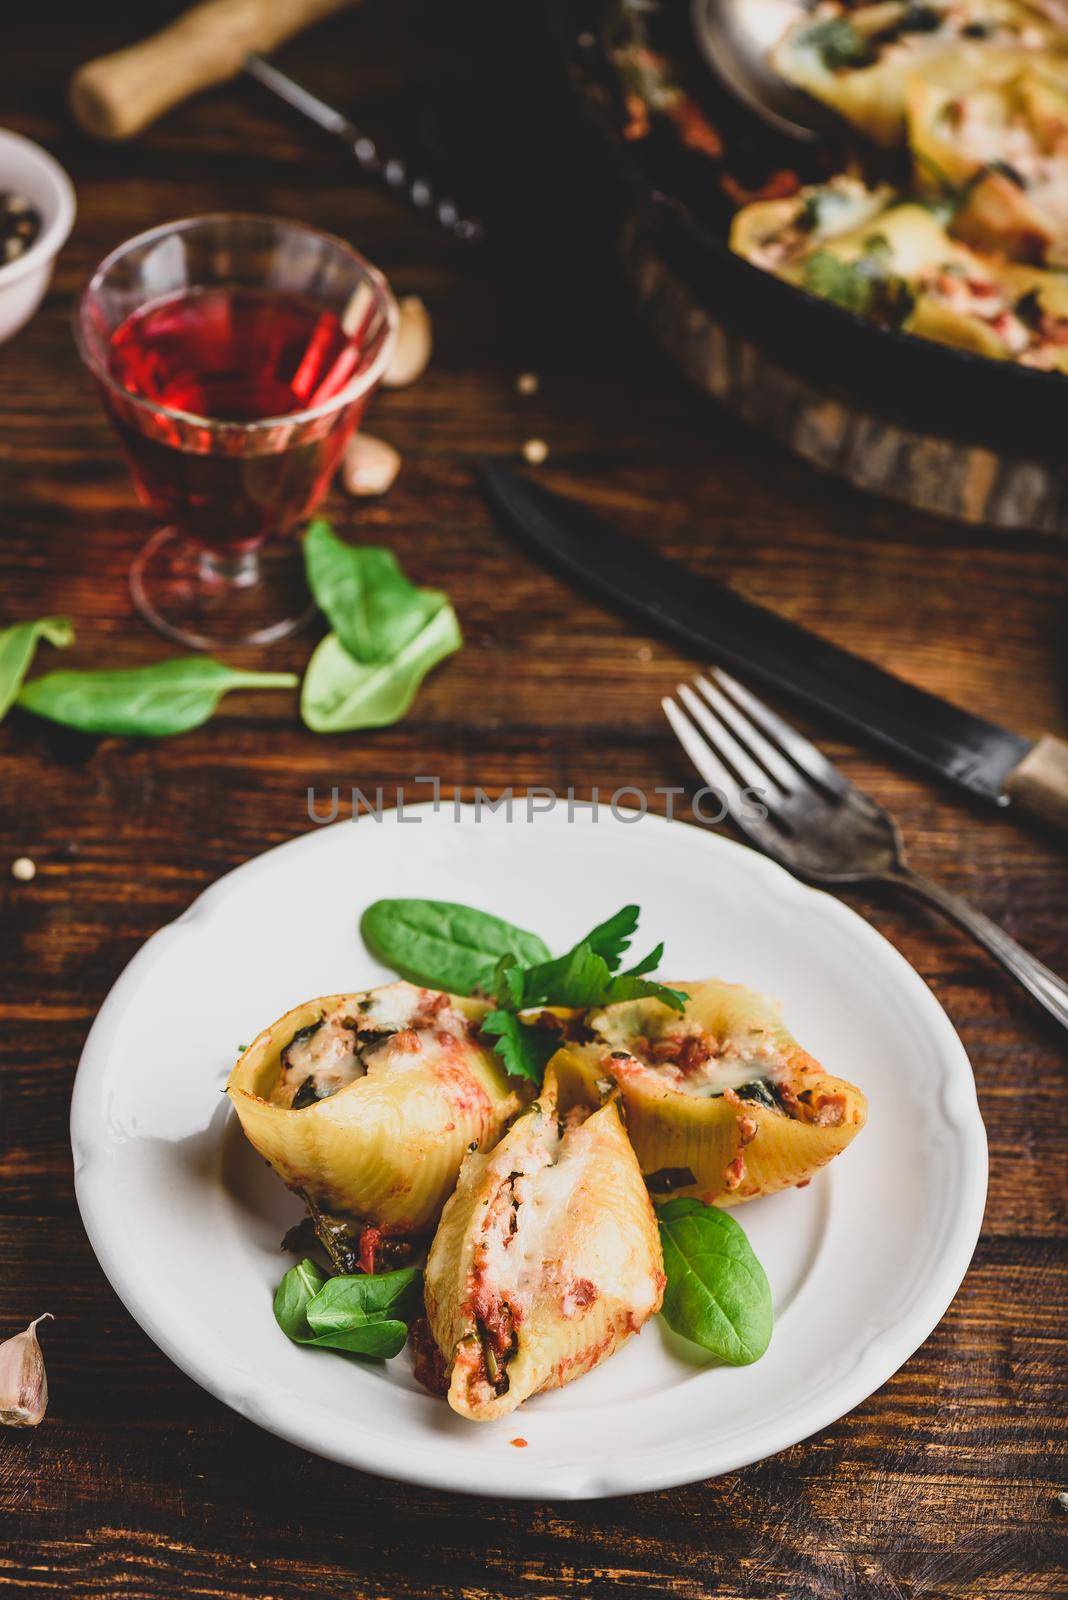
[{"x": 235, "y": 356}]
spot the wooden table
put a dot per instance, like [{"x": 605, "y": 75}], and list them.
[{"x": 944, "y": 1483}]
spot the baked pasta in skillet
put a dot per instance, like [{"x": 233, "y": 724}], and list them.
[
  {"x": 546, "y": 1260},
  {"x": 365, "y": 1104},
  {"x": 1003, "y": 148},
  {"x": 900, "y": 267},
  {"x": 721, "y": 1102},
  {"x": 860, "y": 60}
]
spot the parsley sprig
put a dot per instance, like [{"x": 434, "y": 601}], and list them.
[{"x": 585, "y": 976}]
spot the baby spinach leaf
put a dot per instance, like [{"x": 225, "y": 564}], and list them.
[
  {"x": 341, "y": 694},
  {"x": 717, "y": 1292},
  {"x": 344, "y": 1303},
  {"x": 369, "y": 602},
  {"x": 867, "y": 285},
  {"x": 18, "y": 645},
  {"x": 377, "y": 1340},
  {"x": 359, "y": 1335},
  {"x": 445, "y": 946},
  {"x": 294, "y": 1295},
  {"x": 524, "y": 1048},
  {"x": 166, "y": 698},
  {"x": 839, "y": 44}
]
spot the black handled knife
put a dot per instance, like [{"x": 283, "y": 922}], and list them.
[{"x": 711, "y": 621}]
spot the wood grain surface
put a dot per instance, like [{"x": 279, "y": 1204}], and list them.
[{"x": 943, "y": 1485}]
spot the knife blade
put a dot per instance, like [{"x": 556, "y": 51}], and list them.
[{"x": 711, "y": 620}]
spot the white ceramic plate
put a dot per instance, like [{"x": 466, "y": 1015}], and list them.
[{"x": 186, "y": 1220}]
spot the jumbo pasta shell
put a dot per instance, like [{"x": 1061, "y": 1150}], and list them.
[
  {"x": 386, "y": 1147},
  {"x": 1003, "y": 151},
  {"x": 862, "y": 61},
  {"x": 546, "y": 1260},
  {"x": 777, "y": 234},
  {"x": 753, "y": 1115}
]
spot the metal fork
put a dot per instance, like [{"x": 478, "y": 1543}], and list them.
[{"x": 799, "y": 809}]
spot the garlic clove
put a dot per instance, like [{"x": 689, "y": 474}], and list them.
[
  {"x": 414, "y": 343},
  {"x": 369, "y": 466},
  {"x": 23, "y": 1384}
]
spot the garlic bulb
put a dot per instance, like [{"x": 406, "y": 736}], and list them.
[
  {"x": 369, "y": 465},
  {"x": 412, "y": 349},
  {"x": 23, "y": 1384}
]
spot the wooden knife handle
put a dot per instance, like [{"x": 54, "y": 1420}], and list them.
[
  {"x": 118, "y": 95},
  {"x": 1039, "y": 785}
]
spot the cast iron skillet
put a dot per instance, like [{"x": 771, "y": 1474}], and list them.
[{"x": 671, "y": 192}]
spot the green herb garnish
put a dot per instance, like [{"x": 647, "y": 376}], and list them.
[
  {"x": 387, "y": 635},
  {"x": 449, "y": 947},
  {"x": 866, "y": 285},
  {"x": 363, "y": 593},
  {"x": 340, "y": 694},
  {"x": 840, "y": 45},
  {"x": 18, "y": 645},
  {"x": 361, "y": 1316},
  {"x": 717, "y": 1292},
  {"x": 445, "y": 946},
  {"x": 166, "y": 698}
]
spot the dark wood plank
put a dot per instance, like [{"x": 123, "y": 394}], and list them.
[{"x": 940, "y": 1486}]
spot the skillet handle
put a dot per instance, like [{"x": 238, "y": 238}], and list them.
[{"x": 1039, "y": 785}]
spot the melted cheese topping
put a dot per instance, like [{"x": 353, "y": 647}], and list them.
[
  {"x": 699, "y": 1064},
  {"x": 377, "y": 1032},
  {"x": 329, "y": 1056}
]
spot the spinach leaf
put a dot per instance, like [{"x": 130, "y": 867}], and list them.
[
  {"x": 294, "y": 1295},
  {"x": 166, "y": 698},
  {"x": 359, "y": 1334},
  {"x": 524, "y": 1048},
  {"x": 867, "y": 285},
  {"x": 343, "y": 1303},
  {"x": 370, "y": 604},
  {"x": 717, "y": 1293},
  {"x": 445, "y": 946},
  {"x": 18, "y": 645},
  {"x": 840, "y": 45},
  {"x": 341, "y": 694}
]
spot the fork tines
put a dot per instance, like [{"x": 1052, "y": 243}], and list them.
[{"x": 741, "y": 747}]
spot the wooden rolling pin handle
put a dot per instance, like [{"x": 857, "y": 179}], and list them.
[
  {"x": 117, "y": 96},
  {"x": 1039, "y": 785}
]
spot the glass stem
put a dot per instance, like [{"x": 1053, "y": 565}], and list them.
[{"x": 230, "y": 572}]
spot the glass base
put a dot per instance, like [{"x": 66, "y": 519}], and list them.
[{"x": 214, "y": 602}]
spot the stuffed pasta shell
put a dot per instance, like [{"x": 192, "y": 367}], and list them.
[
  {"x": 546, "y": 1260},
  {"x": 901, "y": 269},
  {"x": 721, "y": 1101},
  {"x": 366, "y": 1103},
  {"x": 1003, "y": 150},
  {"x": 860, "y": 60},
  {"x": 778, "y": 235}
]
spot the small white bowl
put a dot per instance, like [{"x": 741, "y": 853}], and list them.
[{"x": 28, "y": 170}]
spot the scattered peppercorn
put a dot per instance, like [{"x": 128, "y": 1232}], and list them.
[{"x": 20, "y": 224}]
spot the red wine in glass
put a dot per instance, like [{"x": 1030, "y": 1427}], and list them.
[
  {"x": 232, "y": 355},
  {"x": 235, "y": 355}
]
